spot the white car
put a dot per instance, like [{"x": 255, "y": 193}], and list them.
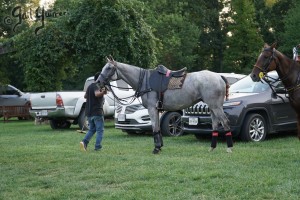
[{"x": 134, "y": 118}]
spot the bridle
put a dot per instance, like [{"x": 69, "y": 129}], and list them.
[
  {"x": 106, "y": 78},
  {"x": 138, "y": 92},
  {"x": 265, "y": 68}
]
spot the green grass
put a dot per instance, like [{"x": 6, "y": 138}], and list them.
[{"x": 39, "y": 163}]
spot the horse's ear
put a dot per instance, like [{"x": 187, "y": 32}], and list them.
[
  {"x": 274, "y": 45},
  {"x": 111, "y": 58},
  {"x": 266, "y": 46}
]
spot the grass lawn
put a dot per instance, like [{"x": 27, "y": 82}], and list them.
[{"x": 39, "y": 163}]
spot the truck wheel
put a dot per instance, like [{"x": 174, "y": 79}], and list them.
[
  {"x": 83, "y": 121},
  {"x": 254, "y": 128},
  {"x": 171, "y": 124},
  {"x": 59, "y": 124}
]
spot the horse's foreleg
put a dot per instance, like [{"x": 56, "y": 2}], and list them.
[{"x": 157, "y": 136}]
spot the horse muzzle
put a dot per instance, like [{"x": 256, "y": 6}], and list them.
[{"x": 255, "y": 77}]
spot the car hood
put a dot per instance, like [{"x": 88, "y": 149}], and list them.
[{"x": 239, "y": 94}]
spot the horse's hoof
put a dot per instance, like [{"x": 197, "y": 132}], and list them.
[
  {"x": 229, "y": 150},
  {"x": 211, "y": 149},
  {"x": 156, "y": 150}
]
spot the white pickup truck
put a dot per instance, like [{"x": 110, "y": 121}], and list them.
[{"x": 65, "y": 108}]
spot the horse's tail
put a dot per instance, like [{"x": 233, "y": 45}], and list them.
[{"x": 227, "y": 87}]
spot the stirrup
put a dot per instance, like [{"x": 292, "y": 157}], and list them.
[{"x": 159, "y": 105}]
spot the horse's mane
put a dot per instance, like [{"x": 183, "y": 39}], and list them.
[{"x": 283, "y": 56}]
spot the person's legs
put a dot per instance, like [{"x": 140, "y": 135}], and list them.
[
  {"x": 91, "y": 131},
  {"x": 99, "y": 123}
]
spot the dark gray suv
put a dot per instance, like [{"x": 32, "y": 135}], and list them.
[{"x": 253, "y": 110}]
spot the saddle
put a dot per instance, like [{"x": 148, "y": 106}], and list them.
[{"x": 162, "y": 79}]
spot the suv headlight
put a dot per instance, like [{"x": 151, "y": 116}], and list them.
[{"x": 232, "y": 103}]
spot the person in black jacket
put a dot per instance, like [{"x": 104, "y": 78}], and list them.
[{"x": 94, "y": 112}]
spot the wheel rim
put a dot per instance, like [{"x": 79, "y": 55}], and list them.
[
  {"x": 175, "y": 126},
  {"x": 257, "y": 129}
]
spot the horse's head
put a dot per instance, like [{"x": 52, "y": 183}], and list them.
[
  {"x": 109, "y": 72},
  {"x": 266, "y": 62}
]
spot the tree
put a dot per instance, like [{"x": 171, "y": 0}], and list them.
[
  {"x": 77, "y": 43},
  {"x": 208, "y": 17},
  {"x": 15, "y": 17},
  {"x": 264, "y": 18},
  {"x": 278, "y": 12},
  {"x": 244, "y": 40},
  {"x": 177, "y": 34},
  {"x": 290, "y": 37}
]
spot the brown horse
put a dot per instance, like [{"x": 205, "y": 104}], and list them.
[{"x": 288, "y": 70}]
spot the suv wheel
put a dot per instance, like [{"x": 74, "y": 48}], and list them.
[
  {"x": 171, "y": 124},
  {"x": 254, "y": 128}
]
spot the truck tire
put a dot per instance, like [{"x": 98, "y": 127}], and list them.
[
  {"x": 254, "y": 128},
  {"x": 171, "y": 124},
  {"x": 83, "y": 121},
  {"x": 59, "y": 124}
]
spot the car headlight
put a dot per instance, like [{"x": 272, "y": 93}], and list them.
[{"x": 232, "y": 103}]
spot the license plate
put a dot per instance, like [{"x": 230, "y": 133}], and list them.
[
  {"x": 121, "y": 117},
  {"x": 193, "y": 120},
  {"x": 42, "y": 113}
]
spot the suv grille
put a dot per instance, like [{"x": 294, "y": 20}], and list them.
[
  {"x": 198, "y": 109},
  {"x": 118, "y": 108},
  {"x": 132, "y": 108}
]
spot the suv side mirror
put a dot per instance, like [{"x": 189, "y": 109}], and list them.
[{"x": 280, "y": 90}]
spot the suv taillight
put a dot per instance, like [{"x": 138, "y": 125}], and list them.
[{"x": 59, "y": 101}]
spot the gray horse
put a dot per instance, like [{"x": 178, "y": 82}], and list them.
[{"x": 204, "y": 85}]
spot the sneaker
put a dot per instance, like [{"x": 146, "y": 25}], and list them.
[{"x": 82, "y": 146}]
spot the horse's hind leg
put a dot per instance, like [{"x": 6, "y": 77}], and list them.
[
  {"x": 225, "y": 123},
  {"x": 215, "y": 132},
  {"x": 218, "y": 116}
]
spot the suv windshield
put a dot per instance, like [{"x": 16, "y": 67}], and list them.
[{"x": 246, "y": 85}]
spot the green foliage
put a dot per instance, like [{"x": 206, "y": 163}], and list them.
[
  {"x": 175, "y": 33},
  {"x": 213, "y": 29},
  {"x": 178, "y": 40},
  {"x": 102, "y": 28},
  {"x": 44, "y": 57},
  {"x": 77, "y": 44},
  {"x": 10, "y": 25},
  {"x": 277, "y": 15},
  {"x": 244, "y": 40},
  {"x": 290, "y": 36}
]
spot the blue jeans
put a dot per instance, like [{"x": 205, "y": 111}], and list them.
[{"x": 96, "y": 124}]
